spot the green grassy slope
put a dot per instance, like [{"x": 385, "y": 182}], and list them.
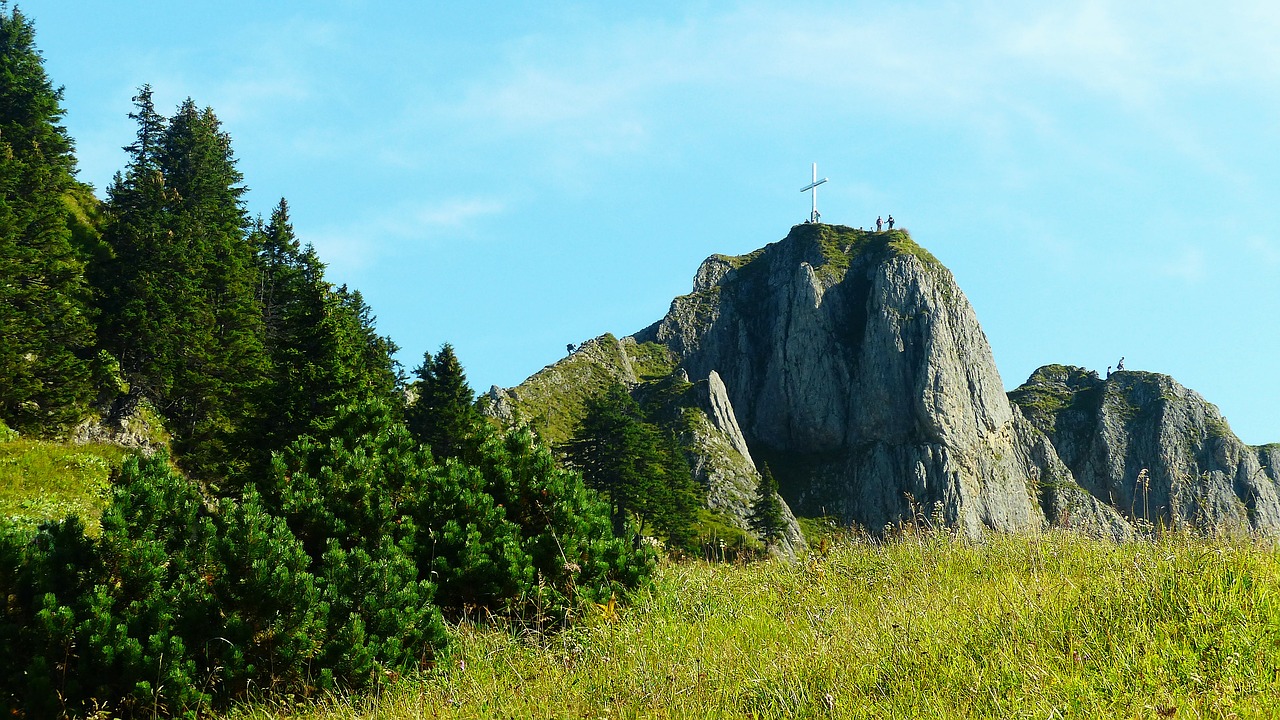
[
  {"x": 49, "y": 481},
  {"x": 928, "y": 627},
  {"x": 552, "y": 400}
]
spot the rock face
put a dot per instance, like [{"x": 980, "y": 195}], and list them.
[
  {"x": 721, "y": 461},
  {"x": 1155, "y": 450},
  {"x": 137, "y": 425},
  {"x": 852, "y": 364},
  {"x": 860, "y": 374}
]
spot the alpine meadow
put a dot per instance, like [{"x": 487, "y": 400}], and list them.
[{"x": 803, "y": 491}]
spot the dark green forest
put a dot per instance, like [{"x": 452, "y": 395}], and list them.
[{"x": 318, "y": 517}]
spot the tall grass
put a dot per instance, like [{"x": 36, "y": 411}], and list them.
[{"x": 929, "y": 626}]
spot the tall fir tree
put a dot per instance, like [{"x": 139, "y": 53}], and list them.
[
  {"x": 147, "y": 278},
  {"x": 373, "y": 355},
  {"x": 292, "y": 294},
  {"x": 322, "y": 348},
  {"x": 443, "y": 414},
  {"x": 636, "y": 465},
  {"x": 44, "y": 321},
  {"x": 225, "y": 358},
  {"x": 181, "y": 310}
]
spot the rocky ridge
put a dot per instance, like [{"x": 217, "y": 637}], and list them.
[
  {"x": 1155, "y": 450},
  {"x": 852, "y": 363},
  {"x": 860, "y": 373},
  {"x": 552, "y": 403}
]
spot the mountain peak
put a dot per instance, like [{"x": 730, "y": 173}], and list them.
[{"x": 854, "y": 366}]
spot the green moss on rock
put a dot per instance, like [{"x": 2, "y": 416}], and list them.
[{"x": 1053, "y": 390}]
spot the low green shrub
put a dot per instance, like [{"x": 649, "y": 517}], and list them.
[{"x": 334, "y": 574}]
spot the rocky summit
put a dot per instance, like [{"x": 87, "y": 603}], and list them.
[
  {"x": 1155, "y": 450},
  {"x": 852, "y": 364}
]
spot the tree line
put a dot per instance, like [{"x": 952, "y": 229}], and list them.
[{"x": 319, "y": 516}]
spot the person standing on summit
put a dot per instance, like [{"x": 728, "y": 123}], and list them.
[
  {"x": 879, "y": 223},
  {"x": 890, "y": 222}
]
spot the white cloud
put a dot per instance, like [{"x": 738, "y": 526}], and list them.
[
  {"x": 453, "y": 213},
  {"x": 1086, "y": 45}
]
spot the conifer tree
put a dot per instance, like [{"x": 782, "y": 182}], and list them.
[
  {"x": 44, "y": 377},
  {"x": 307, "y": 373},
  {"x": 443, "y": 416},
  {"x": 372, "y": 356},
  {"x": 225, "y": 359},
  {"x": 322, "y": 349},
  {"x": 148, "y": 279},
  {"x": 180, "y": 306},
  {"x": 767, "y": 519},
  {"x": 636, "y": 465}
]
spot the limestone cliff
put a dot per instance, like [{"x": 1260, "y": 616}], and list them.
[
  {"x": 1155, "y": 450},
  {"x": 853, "y": 365},
  {"x": 859, "y": 372}
]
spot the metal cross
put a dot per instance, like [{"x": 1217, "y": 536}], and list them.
[{"x": 813, "y": 186}]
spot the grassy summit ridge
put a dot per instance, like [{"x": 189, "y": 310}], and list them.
[
  {"x": 832, "y": 249},
  {"x": 552, "y": 400}
]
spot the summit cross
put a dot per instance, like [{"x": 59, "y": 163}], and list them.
[{"x": 813, "y": 187}]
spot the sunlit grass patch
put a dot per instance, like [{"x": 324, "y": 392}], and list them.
[
  {"x": 49, "y": 481},
  {"x": 931, "y": 626}
]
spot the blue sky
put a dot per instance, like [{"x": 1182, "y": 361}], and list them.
[{"x": 1101, "y": 177}]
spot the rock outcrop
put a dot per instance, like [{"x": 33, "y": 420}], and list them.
[
  {"x": 1155, "y": 450},
  {"x": 860, "y": 374},
  {"x": 721, "y": 461},
  {"x": 134, "y": 424},
  {"x": 852, "y": 364}
]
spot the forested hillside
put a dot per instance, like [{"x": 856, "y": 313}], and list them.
[{"x": 286, "y": 521}]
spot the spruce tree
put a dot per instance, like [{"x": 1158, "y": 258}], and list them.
[
  {"x": 307, "y": 374},
  {"x": 636, "y": 465},
  {"x": 767, "y": 519},
  {"x": 148, "y": 278},
  {"x": 443, "y": 415},
  {"x": 225, "y": 361},
  {"x": 180, "y": 306},
  {"x": 44, "y": 322},
  {"x": 323, "y": 352},
  {"x": 371, "y": 356}
]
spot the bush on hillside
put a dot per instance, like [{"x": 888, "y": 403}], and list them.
[
  {"x": 339, "y": 570},
  {"x": 181, "y": 607},
  {"x": 511, "y": 534}
]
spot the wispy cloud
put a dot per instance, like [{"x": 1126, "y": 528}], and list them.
[
  {"x": 358, "y": 245},
  {"x": 1264, "y": 250},
  {"x": 451, "y": 213}
]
